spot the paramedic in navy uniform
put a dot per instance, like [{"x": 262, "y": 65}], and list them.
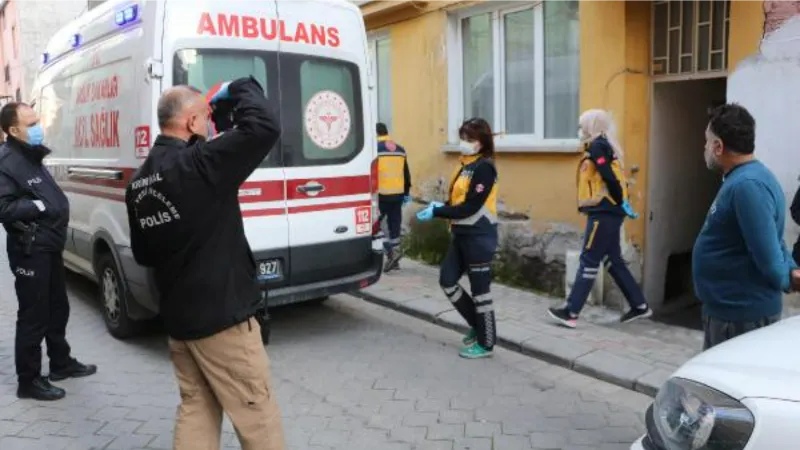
[
  {"x": 35, "y": 212},
  {"x": 186, "y": 224}
]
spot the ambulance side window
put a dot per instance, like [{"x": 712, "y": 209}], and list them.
[{"x": 322, "y": 110}]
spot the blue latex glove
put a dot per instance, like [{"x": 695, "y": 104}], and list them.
[
  {"x": 425, "y": 215},
  {"x": 406, "y": 199},
  {"x": 222, "y": 93},
  {"x": 626, "y": 206}
]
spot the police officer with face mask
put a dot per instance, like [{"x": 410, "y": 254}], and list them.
[{"x": 35, "y": 212}]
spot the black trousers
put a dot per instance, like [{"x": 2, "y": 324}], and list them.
[
  {"x": 43, "y": 312},
  {"x": 717, "y": 331},
  {"x": 472, "y": 254},
  {"x": 601, "y": 243},
  {"x": 392, "y": 210}
]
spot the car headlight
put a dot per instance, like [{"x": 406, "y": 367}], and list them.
[{"x": 691, "y": 416}]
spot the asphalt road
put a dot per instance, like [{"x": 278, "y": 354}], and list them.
[{"x": 349, "y": 375}]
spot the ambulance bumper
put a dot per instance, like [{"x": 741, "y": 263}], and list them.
[{"x": 305, "y": 292}]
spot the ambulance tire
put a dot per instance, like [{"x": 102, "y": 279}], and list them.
[{"x": 113, "y": 295}]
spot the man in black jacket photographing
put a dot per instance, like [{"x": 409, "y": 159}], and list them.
[
  {"x": 35, "y": 213},
  {"x": 186, "y": 224}
]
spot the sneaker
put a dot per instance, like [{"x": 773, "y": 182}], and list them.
[
  {"x": 40, "y": 389},
  {"x": 563, "y": 316},
  {"x": 73, "y": 370},
  {"x": 636, "y": 313},
  {"x": 392, "y": 261},
  {"x": 470, "y": 338},
  {"x": 475, "y": 351}
]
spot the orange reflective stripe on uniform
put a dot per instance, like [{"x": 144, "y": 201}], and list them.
[{"x": 391, "y": 168}]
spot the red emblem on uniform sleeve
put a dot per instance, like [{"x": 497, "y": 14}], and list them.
[
  {"x": 601, "y": 160},
  {"x": 479, "y": 188}
]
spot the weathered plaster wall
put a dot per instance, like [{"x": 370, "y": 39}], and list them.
[{"x": 766, "y": 83}]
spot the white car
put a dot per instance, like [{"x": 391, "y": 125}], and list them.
[{"x": 741, "y": 395}]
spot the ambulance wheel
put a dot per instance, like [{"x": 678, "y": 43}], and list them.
[{"x": 113, "y": 295}]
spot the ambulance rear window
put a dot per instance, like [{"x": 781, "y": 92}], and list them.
[
  {"x": 322, "y": 113},
  {"x": 326, "y": 91},
  {"x": 203, "y": 69}
]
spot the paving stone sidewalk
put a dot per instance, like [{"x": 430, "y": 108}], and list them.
[{"x": 638, "y": 356}]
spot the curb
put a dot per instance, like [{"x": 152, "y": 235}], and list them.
[{"x": 598, "y": 364}]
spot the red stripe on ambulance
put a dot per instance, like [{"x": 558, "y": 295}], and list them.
[{"x": 249, "y": 27}]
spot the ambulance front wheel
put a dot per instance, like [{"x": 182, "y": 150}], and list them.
[{"x": 113, "y": 295}]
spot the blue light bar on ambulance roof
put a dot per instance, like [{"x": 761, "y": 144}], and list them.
[
  {"x": 45, "y": 58},
  {"x": 76, "y": 40},
  {"x": 127, "y": 15}
]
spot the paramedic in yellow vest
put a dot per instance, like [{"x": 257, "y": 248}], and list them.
[
  {"x": 603, "y": 198},
  {"x": 394, "y": 184},
  {"x": 472, "y": 213}
]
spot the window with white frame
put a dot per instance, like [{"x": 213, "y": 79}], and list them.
[
  {"x": 517, "y": 66},
  {"x": 380, "y": 58}
]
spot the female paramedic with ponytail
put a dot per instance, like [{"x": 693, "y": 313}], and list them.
[
  {"x": 603, "y": 197},
  {"x": 472, "y": 213}
]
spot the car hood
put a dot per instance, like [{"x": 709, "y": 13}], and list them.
[{"x": 763, "y": 363}]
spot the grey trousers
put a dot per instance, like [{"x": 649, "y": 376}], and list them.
[{"x": 718, "y": 331}]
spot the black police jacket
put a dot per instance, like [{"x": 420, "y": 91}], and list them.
[
  {"x": 186, "y": 224},
  {"x": 23, "y": 179}
]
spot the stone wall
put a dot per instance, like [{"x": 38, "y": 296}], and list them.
[{"x": 537, "y": 252}]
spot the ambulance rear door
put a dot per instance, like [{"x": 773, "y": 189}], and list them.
[
  {"x": 324, "y": 144},
  {"x": 225, "y": 40}
]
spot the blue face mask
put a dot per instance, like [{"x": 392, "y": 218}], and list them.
[{"x": 35, "y": 135}]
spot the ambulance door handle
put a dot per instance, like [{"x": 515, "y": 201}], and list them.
[
  {"x": 312, "y": 188},
  {"x": 98, "y": 174}
]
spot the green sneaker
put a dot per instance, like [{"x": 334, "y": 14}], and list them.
[
  {"x": 470, "y": 338},
  {"x": 475, "y": 351}
]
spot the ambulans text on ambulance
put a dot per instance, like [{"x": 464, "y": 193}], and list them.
[{"x": 249, "y": 27}]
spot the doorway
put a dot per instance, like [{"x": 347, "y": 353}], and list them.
[{"x": 680, "y": 191}]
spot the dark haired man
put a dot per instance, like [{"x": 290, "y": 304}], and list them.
[
  {"x": 741, "y": 265},
  {"x": 394, "y": 184},
  {"x": 35, "y": 212}
]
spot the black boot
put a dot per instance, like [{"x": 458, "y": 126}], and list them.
[
  {"x": 40, "y": 389},
  {"x": 72, "y": 370}
]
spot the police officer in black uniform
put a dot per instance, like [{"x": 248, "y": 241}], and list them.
[{"x": 35, "y": 212}]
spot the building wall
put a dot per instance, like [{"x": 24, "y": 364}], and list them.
[
  {"x": 615, "y": 46},
  {"x": 38, "y": 20},
  {"x": 9, "y": 55},
  {"x": 765, "y": 82},
  {"x": 539, "y": 185}
]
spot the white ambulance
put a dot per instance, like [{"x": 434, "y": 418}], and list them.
[{"x": 308, "y": 210}]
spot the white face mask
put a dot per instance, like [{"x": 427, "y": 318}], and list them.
[{"x": 468, "y": 148}]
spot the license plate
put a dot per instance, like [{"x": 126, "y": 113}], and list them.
[{"x": 269, "y": 270}]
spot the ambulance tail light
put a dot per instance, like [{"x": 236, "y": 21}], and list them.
[{"x": 373, "y": 175}]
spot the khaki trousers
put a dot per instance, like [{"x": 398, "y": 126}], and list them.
[{"x": 228, "y": 372}]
